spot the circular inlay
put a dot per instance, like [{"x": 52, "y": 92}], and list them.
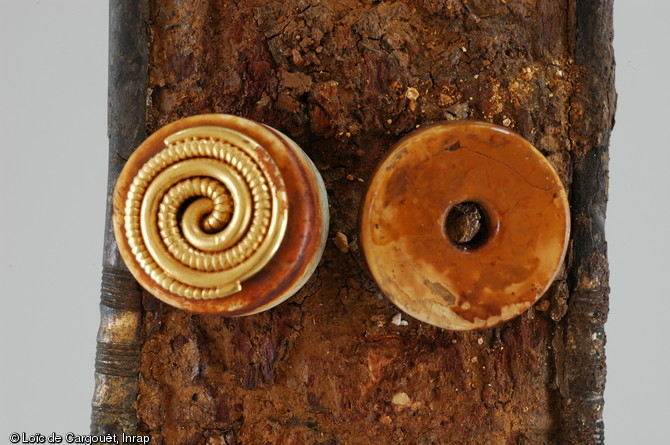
[
  {"x": 202, "y": 209},
  {"x": 464, "y": 225}
]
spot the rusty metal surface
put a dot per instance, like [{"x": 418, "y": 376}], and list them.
[{"x": 545, "y": 370}]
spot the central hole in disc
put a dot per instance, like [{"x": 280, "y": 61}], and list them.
[{"x": 466, "y": 225}]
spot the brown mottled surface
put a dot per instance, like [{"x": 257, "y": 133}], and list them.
[{"x": 346, "y": 79}]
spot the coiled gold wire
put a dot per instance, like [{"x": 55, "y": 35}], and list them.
[{"x": 204, "y": 214}]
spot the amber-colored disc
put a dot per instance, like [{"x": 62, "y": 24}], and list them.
[
  {"x": 219, "y": 214},
  {"x": 523, "y": 226}
]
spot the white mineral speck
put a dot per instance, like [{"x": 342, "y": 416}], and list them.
[
  {"x": 412, "y": 93},
  {"x": 401, "y": 399},
  {"x": 398, "y": 321}
]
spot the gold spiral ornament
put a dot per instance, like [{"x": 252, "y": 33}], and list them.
[{"x": 201, "y": 215}]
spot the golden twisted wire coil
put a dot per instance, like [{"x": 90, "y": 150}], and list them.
[{"x": 205, "y": 213}]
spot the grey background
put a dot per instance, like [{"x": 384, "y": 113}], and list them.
[{"x": 53, "y": 88}]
